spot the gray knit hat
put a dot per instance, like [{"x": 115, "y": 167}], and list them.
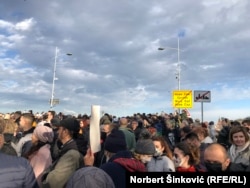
[
  {"x": 145, "y": 144},
  {"x": 90, "y": 177}
]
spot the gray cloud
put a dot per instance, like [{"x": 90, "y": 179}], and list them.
[{"x": 115, "y": 61}]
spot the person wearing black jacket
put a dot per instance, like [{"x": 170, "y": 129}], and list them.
[{"x": 217, "y": 160}]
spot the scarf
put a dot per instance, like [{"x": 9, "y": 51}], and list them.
[
  {"x": 234, "y": 151},
  {"x": 190, "y": 169},
  {"x": 71, "y": 144},
  {"x": 131, "y": 164}
]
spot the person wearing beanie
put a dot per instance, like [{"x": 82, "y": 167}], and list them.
[
  {"x": 115, "y": 142},
  {"x": 119, "y": 159},
  {"x": 145, "y": 148},
  {"x": 39, "y": 154},
  {"x": 43, "y": 133},
  {"x": 90, "y": 177}
]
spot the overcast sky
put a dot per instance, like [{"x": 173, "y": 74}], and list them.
[{"x": 115, "y": 60}]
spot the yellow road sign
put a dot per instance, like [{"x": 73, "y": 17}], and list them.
[{"x": 183, "y": 99}]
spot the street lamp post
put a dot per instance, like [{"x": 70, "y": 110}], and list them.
[
  {"x": 52, "y": 100},
  {"x": 179, "y": 66},
  {"x": 178, "y": 63}
]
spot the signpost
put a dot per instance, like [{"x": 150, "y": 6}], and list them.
[
  {"x": 183, "y": 99},
  {"x": 202, "y": 96},
  {"x": 53, "y": 102}
]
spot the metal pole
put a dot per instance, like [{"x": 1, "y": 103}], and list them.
[
  {"x": 53, "y": 82},
  {"x": 179, "y": 70},
  {"x": 179, "y": 67},
  {"x": 201, "y": 111}
]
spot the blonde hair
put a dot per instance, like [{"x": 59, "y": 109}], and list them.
[
  {"x": 2, "y": 125},
  {"x": 10, "y": 126}
]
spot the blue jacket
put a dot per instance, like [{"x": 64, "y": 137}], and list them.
[{"x": 16, "y": 172}]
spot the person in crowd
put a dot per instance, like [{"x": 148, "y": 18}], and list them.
[
  {"x": 14, "y": 171},
  {"x": 39, "y": 155},
  {"x": 106, "y": 118},
  {"x": 119, "y": 159},
  {"x": 211, "y": 131},
  {"x": 197, "y": 122},
  {"x": 162, "y": 159},
  {"x": 168, "y": 132},
  {"x": 203, "y": 135},
  {"x": 246, "y": 123},
  {"x": 56, "y": 144},
  {"x": 137, "y": 128},
  {"x": 184, "y": 131},
  {"x": 83, "y": 136},
  {"x": 106, "y": 129},
  {"x": 152, "y": 130},
  {"x": 8, "y": 133},
  {"x": 23, "y": 144},
  {"x": 186, "y": 157},
  {"x": 145, "y": 148},
  {"x": 158, "y": 123},
  {"x": 51, "y": 114},
  {"x": 43, "y": 120},
  {"x": 82, "y": 140},
  {"x": 129, "y": 134},
  {"x": 90, "y": 176},
  {"x": 16, "y": 117},
  {"x": 223, "y": 133},
  {"x": 184, "y": 123},
  {"x": 69, "y": 158},
  {"x": 217, "y": 160},
  {"x": 193, "y": 140},
  {"x": 239, "y": 151}
]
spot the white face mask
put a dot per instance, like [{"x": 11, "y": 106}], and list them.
[
  {"x": 107, "y": 159},
  {"x": 157, "y": 152},
  {"x": 107, "y": 156},
  {"x": 177, "y": 162},
  {"x": 145, "y": 159}
]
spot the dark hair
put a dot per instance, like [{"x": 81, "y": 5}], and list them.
[
  {"x": 246, "y": 120},
  {"x": 211, "y": 123},
  {"x": 186, "y": 129},
  {"x": 34, "y": 149},
  {"x": 167, "y": 151},
  {"x": 192, "y": 136},
  {"x": 192, "y": 152},
  {"x": 235, "y": 123},
  {"x": 53, "y": 113}
]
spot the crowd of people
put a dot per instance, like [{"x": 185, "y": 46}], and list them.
[{"x": 52, "y": 150}]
